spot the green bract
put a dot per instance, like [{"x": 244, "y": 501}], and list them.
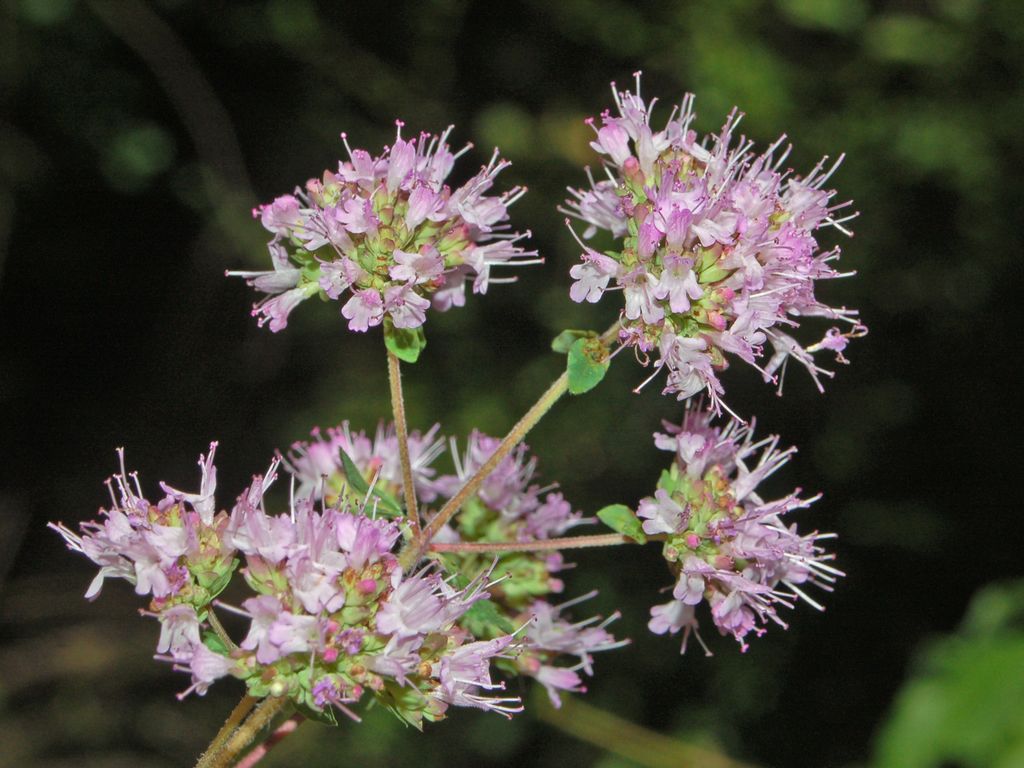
[
  {"x": 622, "y": 519},
  {"x": 587, "y": 364}
]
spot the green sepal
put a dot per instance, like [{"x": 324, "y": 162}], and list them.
[
  {"x": 407, "y": 704},
  {"x": 621, "y": 519},
  {"x": 212, "y": 641},
  {"x": 325, "y": 715},
  {"x": 404, "y": 343},
  {"x": 586, "y": 365},
  {"x": 564, "y": 341},
  {"x": 669, "y": 480},
  {"x": 214, "y": 583},
  {"x": 358, "y": 483}
]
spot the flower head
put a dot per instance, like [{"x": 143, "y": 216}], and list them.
[
  {"x": 173, "y": 550},
  {"x": 728, "y": 546},
  {"x": 718, "y": 247},
  {"x": 333, "y": 617},
  {"x": 387, "y": 236}
]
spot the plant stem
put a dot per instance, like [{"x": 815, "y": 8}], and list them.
[
  {"x": 257, "y": 754},
  {"x": 398, "y": 408},
  {"x": 567, "y": 542},
  {"x": 627, "y": 739},
  {"x": 228, "y": 755},
  {"x": 237, "y": 715},
  {"x": 415, "y": 549},
  {"x": 419, "y": 544},
  {"x": 218, "y": 628}
]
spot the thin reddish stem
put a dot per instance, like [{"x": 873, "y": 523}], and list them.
[{"x": 543, "y": 545}]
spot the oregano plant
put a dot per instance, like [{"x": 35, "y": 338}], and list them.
[{"x": 382, "y": 579}]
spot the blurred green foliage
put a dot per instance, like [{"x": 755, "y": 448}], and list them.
[
  {"x": 963, "y": 704},
  {"x": 136, "y": 136}
]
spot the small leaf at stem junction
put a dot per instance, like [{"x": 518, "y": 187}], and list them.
[
  {"x": 621, "y": 519},
  {"x": 587, "y": 364},
  {"x": 212, "y": 641},
  {"x": 404, "y": 343},
  {"x": 564, "y": 341}
]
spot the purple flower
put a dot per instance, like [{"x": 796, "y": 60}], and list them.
[
  {"x": 466, "y": 670},
  {"x": 718, "y": 246},
  {"x": 549, "y": 636},
  {"x": 389, "y": 231},
  {"x": 730, "y": 547},
  {"x": 156, "y": 547},
  {"x": 662, "y": 514},
  {"x": 419, "y": 267},
  {"x": 592, "y": 276},
  {"x": 179, "y": 631},
  {"x": 206, "y": 667},
  {"x": 406, "y": 307},
  {"x": 364, "y": 309}
]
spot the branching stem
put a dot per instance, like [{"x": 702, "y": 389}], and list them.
[
  {"x": 414, "y": 551},
  {"x": 242, "y": 737},
  {"x": 419, "y": 544}
]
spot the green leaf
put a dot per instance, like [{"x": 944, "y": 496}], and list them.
[
  {"x": 669, "y": 480},
  {"x": 388, "y": 503},
  {"x": 215, "y": 582},
  {"x": 212, "y": 641},
  {"x": 352, "y": 474},
  {"x": 621, "y": 519},
  {"x": 404, "y": 343},
  {"x": 564, "y": 341},
  {"x": 955, "y": 709},
  {"x": 587, "y": 364},
  {"x": 358, "y": 483}
]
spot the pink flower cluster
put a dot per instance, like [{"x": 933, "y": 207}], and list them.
[
  {"x": 727, "y": 545},
  {"x": 718, "y": 247},
  {"x": 510, "y": 506},
  {"x": 169, "y": 550},
  {"x": 389, "y": 234},
  {"x": 333, "y": 618}
]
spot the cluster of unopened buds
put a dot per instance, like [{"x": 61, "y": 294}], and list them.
[{"x": 374, "y": 572}]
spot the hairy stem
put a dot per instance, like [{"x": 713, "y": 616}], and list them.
[
  {"x": 287, "y": 727},
  {"x": 398, "y": 408},
  {"x": 218, "y": 629},
  {"x": 567, "y": 542},
  {"x": 243, "y": 736},
  {"x": 237, "y": 715}
]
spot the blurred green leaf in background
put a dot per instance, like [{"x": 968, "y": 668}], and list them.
[{"x": 964, "y": 704}]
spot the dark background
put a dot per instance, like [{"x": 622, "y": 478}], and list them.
[{"x": 134, "y": 139}]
